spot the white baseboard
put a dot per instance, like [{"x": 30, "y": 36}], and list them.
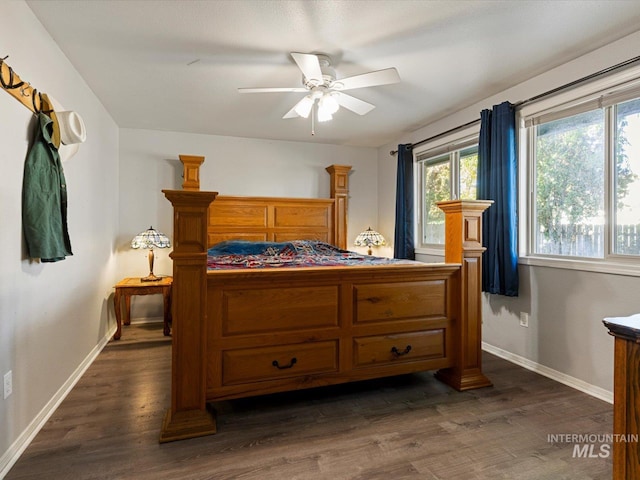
[
  {"x": 563, "y": 378},
  {"x": 141, "y": 320},
  {"x": 11, "y": 456}
]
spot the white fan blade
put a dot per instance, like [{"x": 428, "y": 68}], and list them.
[
  {"x": 352, "y": 103},
  {"x": 309, "y": 65},
  {"x": 291, "y": 113},
  {"x": 272, "y": 90},
  {"x": 371, "y": 79}
]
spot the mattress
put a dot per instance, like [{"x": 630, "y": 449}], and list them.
[{"x": 238, "y": 254}]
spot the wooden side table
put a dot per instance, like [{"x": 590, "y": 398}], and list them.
[
  {"x": 626, "y": 395},
  {"x": 134, "y": 286}
]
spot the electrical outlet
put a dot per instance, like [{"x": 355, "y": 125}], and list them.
[
  {"x": 524, "y": 319},
  {"x": 8, "y": 384}
]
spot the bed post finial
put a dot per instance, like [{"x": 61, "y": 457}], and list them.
[
  {"x": 463, "y": 244},
  {"x": 191, "y": 171},
  {"x": 340, "y": 193}
]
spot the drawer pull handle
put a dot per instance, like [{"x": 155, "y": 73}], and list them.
[
  {"x": 291, "y": 364},
  {"x": 398, "y": 353}
]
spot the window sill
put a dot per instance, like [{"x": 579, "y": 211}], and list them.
[
  {"x": 437, "y": 251},
  {"x": 631, "y": 268},
  {"x": 626, "y": 268}
]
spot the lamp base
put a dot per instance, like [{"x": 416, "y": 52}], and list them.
[{"x": 150, "y": 278}]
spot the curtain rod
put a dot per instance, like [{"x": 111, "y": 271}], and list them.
[
  {"x": 553, "y": 91},
  {"x": 442, "y": 134}
]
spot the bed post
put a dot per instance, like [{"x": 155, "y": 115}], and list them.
[
  {"x": 191, "y": 171},
  {"x": 463, "y": 244},
  {"x": 188, "y": 416},
  {"x": 340, "y": 193}
]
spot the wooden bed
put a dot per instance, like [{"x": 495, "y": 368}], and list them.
[{"x": 239, "y": 333}]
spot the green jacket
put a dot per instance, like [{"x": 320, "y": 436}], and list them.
[{"x": 44, "y": 198}]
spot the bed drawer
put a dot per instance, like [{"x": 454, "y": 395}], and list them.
[
  {"x": 260, "y": 310},
  {"x": 267, "y": 363},
  {"x": 402, "y": 347},
  {"x": 403, "y": 300}
]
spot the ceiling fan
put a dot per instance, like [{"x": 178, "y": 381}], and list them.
[{"x": 321, "y": 85}]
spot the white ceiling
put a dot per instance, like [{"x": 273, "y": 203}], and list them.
[{"x": 176, "y": 65}]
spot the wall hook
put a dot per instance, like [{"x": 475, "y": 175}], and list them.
[{"x": 36, "y": 94}]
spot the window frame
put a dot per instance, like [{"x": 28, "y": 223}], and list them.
[
  {"x": 604, "y": 93},
  {"x": 450, "y": 159},
  {"x": 450, "y": 144}
]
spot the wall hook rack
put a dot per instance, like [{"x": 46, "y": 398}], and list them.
[{"x": 28, "y": 95}]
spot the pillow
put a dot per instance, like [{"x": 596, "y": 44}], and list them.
[
  {"x": 295, "y": 247},
  {"x": 244, "y": 247}
]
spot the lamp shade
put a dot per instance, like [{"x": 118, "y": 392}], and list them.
[
  {"x": 369, "y": 238},
  {"x": 150, "y": 239},
  {"x": 303, "y": 108}
]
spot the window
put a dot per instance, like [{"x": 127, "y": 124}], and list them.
[
  {"x": 569, "y": 186},
  {"x": 446, "y": 172},
  {"x": 584, "y": 179},
  {"x": 627, "y": 180},
  {"x": 468, "y": 173},
  {"x": 437, "y": 187}
]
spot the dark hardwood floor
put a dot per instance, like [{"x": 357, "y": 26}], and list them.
[{"x": 410, "y": 426}]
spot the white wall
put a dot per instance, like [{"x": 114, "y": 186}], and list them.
[
  {"x": 52, "y": 316},
  {"x": 566, "y": 307},
  {"x": 233, "y": 166}
]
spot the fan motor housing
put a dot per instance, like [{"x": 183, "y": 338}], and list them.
[{"x": 328, "y": 73}]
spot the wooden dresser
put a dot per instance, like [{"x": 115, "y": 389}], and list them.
[{"x": 626, "y": 395}]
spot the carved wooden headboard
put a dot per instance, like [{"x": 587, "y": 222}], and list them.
[
  {"x": 276, "y": 219},
  {"x": 270, "y": 219}
]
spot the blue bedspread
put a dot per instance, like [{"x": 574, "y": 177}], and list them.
[{"x": 299, "y": 253}]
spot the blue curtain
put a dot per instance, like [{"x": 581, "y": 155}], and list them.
[
  {"x": 403, "y": 244},
  {"x": 497, "y": 169}
]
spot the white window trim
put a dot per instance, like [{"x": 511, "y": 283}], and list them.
[
  {"x": 435, "y": 251},
  {"x": 607, "y": 90},
  {"x": 613, "y": 83},
  {"x": 584, "y": 265}
]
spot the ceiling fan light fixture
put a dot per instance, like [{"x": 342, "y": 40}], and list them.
[
  {"x": 303, "y": 108},
  {"x": 320, "y": 83},
  {"x": 329, "y": 103},
  {"x": 324, "y": 115}
]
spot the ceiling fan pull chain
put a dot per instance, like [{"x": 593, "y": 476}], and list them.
[{"x": 313, "y": 119}]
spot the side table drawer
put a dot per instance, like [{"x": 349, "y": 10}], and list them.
[{"x": 268, "y": 363}]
